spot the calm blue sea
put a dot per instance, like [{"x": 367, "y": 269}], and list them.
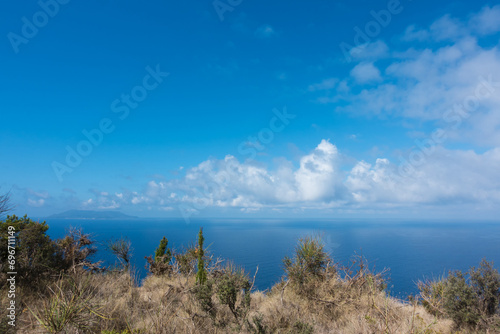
[{"x": 412, "y": 250}]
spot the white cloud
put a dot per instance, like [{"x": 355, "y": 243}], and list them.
[
  {"x": 437, "y": 83},
  {"x": 36, "y": 203},
  {"x": 445, "y": 178},
  {"x": 326, "y": 84},
  {"x": 447, "y": 28},
  {"x": 318, "y": 175},
  {"x": 365, "y": 73},
  {"x": 487, "y": 21},
  {"x": 112, "y": 205}
]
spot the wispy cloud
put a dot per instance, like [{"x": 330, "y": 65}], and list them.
[{"x": 265, "y": 31}]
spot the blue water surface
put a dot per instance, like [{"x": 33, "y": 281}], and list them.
[{"x": 412, "y": 250}]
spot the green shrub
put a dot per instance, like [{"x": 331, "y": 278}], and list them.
[
  {"x": 201, "y": 274},
  {"x": 309, "y": 262},
  {"x": 460, "y": 301},
  {"x": 163, "y": 253},
  {"x": 471, "y": 299},
  {"x": 160, "y": 265},
  {"x": 203, "y": 293},
  {"x": 37, "y": 256},
  {"x": 485, "y": 282},
  {"x": 302, "y": 328},
  {"x": 230, "y": 284}
]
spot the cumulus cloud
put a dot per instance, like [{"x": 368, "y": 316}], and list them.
[
  {"x": 453, "y": 75},
  {"x": 445, "y": 177},
  {"x": 365, "y": 73}
]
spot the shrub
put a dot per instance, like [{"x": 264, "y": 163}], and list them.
[
  {"x": 460, "y": 301},
  {"x": 309, "y": 262},
  {"x": 72, "y": 304},
  {"x": 186, "y": 262},
  {"x": 37, "y": 256},
  {"x": 302, "y": 328},
  {"x": 257, "y": 325},
  {"x": 122, "y": 249},
  {"x": 160, "y": 265},
  {"x": 485, "y": 282},
  {"x": 203, "y": 293},
  {"x": 77, "y": 249},
  {"x": 471, "y": 299},
  {"x": 230, "y": 284}
]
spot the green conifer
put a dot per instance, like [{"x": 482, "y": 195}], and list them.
[{"x": 201, "y": 275}]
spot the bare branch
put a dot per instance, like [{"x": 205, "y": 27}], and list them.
[{"x": 5, "y": 205}]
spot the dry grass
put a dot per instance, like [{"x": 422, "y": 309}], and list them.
[{"x": 111, "y": 303}]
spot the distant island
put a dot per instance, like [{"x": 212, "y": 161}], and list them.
[{"x": 89, "y": 214}]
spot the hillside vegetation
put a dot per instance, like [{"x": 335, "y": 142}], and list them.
[{"x": 61, "y": 288}]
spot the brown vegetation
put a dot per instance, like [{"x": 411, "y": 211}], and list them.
[{"x": 315, "y": 295}]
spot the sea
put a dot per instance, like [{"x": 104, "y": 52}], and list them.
[{"x": 410, "y": 250}]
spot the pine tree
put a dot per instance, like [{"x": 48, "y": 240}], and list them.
[
  {"x": 163, "y": 252},
  {"x": 201, "y": 275}
]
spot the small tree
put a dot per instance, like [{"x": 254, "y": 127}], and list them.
[
  {"x": 201, "y": 275},
  {"x": 163, "y": 253},
  {"x": 161, "y": 263},
  {"x": 37, "y": 256},
  {"x": 78, "y": 248}
]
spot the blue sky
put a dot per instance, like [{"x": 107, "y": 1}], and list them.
[{"x": 252, "y": 109}]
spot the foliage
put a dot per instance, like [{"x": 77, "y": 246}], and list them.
[
  {"x": 163, "y": 253},
  {"x": 471, "y": 299},
  {"x": 37, "y": 256},
  {"x": 302, "y": 328},
  {"x": 201, "y": 274},
  {"x": 485, "y": 282},
  {"x": 70, "y": 305},
  {"x": 203, "y": 293},
  {"x": 187, "y": 261},
  {"x": 229, "y": 285},
  {"x": 256, "y": 325},
  {"x": 78, "y": 248},
  {"x": 160, "y": 265},
  {"x": 309, "y": 262},
  {"x": 122, "y": 249}
]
